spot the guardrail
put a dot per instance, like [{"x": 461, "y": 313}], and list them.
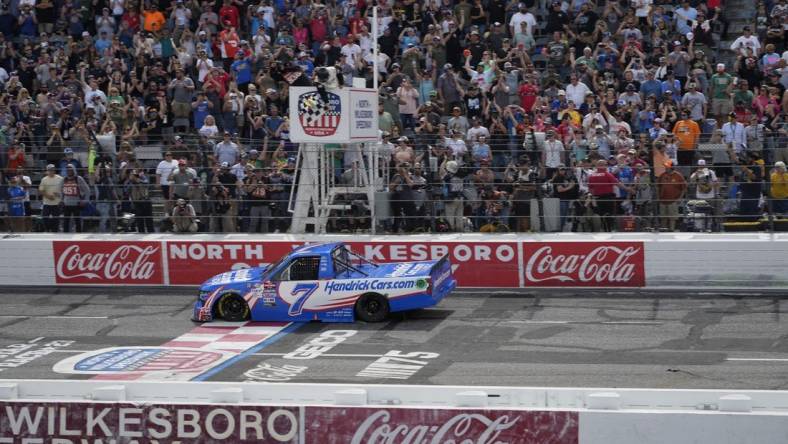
[
  {"x": 610, "y": 260},
  {"x": 60, "y": 411}
]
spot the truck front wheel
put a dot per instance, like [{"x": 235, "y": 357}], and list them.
[
  {"x": 372, "y": 307},
  {"x": 233, "y": 308}
]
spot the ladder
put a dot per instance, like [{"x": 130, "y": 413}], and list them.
[{"x": 314, "y": 193}]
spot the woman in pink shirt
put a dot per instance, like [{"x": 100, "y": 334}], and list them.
[
  {"x": 300, "y": 33},
  {"x": 408, "y": 103}
]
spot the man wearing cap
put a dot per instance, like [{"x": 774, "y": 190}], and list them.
[
  {"x": 68, "y": 159},
  {"x": 721, "y": 88},
  {"x": 75, "y": 192},
  {"x": 50, "y": 190},
  {"x": 746, "y": 42},
  {"x": 679, "y": 60},
  {"x": 164, "y": 170},
  {"x": 226, "y": 151},
  {"x": 227, "y": 182},
  {"x": 671, "y": 187},
  {"x": 522, "y": 15},
  {"x": 778, "y": 191},
  {"x": 181, "y": 179},
  {"x": 734, "y": 134},
  {"x": 695, "y": 102},
  {"x": 707, "y": 186},
  {"x": 687, "y": 132}
]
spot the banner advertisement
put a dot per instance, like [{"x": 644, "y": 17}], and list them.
[
  {"x": 584, "y": 264},
  {"x": 192, "y": 263},
  {"x": 405, "y": 425},
  {"x": 476, "y": 264},
  {"x": 108, "y": 262},
  {"x": 72, "y": 422},
  {"x": 338, "y": 115}
]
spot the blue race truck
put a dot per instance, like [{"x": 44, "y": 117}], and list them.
[{"x": 323, "y": 282}]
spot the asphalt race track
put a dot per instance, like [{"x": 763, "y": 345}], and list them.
[{"x": 537, "y": 338}]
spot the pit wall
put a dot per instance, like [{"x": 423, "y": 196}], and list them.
[
  {"x": 65, "y": 412},
  {"x": 636, "y": 260}
]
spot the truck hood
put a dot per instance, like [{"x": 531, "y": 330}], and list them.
[{"x": 243, "y": 276}]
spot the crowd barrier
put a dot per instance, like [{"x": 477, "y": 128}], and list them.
[
  {"x": 66, "y": 412},
  {"x": 623, "y": 260}
]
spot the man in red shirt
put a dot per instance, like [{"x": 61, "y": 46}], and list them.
[
  {"x": 601, "y": 184},
  {"x": 229, "y": 13},
  {"x": 528, "y": 92}
]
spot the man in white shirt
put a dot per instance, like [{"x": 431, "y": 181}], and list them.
[
  {"x": 522, "y": 16},
  {"x": 456, "y": 145},
  {"x": 552, "y": 153},
  {"x": 351, "y": 50},
  {"x": 733, "y": 132},
  {"x": 477, "y": 130},
  {"x": 576, "y": 90},
  {"x": 163, "y": 172},
  {"x": 745, "y": 42}
]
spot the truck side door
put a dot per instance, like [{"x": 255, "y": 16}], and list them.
[{"x": 298, "y": 282}]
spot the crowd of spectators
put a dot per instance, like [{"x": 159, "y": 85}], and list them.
[{"x": 611, "y": 115}]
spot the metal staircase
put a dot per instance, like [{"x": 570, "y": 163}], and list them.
[{"x": 316, "y": 194}]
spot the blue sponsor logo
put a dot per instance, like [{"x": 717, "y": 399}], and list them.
[
  {"x": 122, "y": 360},
  {"x": 365, "y": 285}
]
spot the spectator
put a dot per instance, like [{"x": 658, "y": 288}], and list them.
[
  {"x": 164, "y": 170},
  {"x": 75, "y": 192},
  {"x": 138, "y": 186},
  {"x": 751, "y": 183},
  {"x": 687, "y": 132},
  {"x": 671, "y": 187},
  {"x": 50, "y": 190},
  {"x": 779, "y": 189},
  {"x": 105, "y": 186},
  {"x": 181, "y": 179},
  {"x": 16, "y": 205},
  {"x": 184, "y": 218}
]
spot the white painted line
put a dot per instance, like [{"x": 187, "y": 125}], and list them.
[
  {"x": 538, "y": 322},
  {"x": 53, "y": 317},
  {"x": 587, "y": 322},
  {"x": 759, "y": 359},
  {"x": 632, "y": 322},
  {"x": 35, "y": 340},
  {"x": 198, "y": 337},
  {"x": 327, "y": 355}
]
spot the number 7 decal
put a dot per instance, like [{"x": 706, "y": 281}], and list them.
[{"x": 305, "y": 290}]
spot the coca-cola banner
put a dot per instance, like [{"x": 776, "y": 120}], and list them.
[
  {"x": 72, "y": 422},
  {"x": 584, "y": 264},
  {"x": 407, "y": 425},
  {"x": 476, "y": 264},
  {"x": 191, "y": 263},
  {"x": 108, "y": 262}
]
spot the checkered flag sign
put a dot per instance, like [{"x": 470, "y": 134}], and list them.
[{"x": 319, "y": 118}]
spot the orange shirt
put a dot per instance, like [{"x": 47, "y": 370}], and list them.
[
  {"x": 154, "y": 20},
  {"x": 687, "y": 133},
  {"x": 671, "y": 186}
]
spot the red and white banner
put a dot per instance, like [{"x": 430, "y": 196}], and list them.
[
  {"x": 584, "y": 264},
  {"x": 70, "y": 422},
  {"x": 110, "y": 262},
  {"x": 191, "y": 263},
  {"x": 408, "y": 425},
  {"x": 476, "y": 263}
]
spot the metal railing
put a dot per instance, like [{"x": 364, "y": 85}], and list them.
[{"x": 495, "y": 195}]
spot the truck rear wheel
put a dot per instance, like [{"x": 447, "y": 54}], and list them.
[
  {"x": 232, "y": 307},
  {"x": 372, "y": 307}
]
